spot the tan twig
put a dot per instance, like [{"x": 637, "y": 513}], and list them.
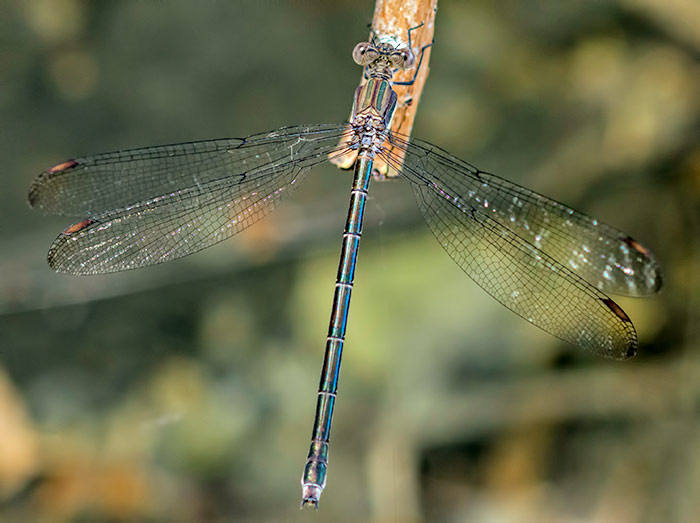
[{"x": 393, "y": 19}]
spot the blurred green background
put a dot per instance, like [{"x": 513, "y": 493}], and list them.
[{"x": 185, "y": 392}]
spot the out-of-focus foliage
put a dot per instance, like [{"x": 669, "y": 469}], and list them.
[{"x": 185, "y": 392}]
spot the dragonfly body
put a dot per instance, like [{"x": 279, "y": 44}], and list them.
[
  {"x": 373, "y": 108},
  {"x": 545, "y": 261}
]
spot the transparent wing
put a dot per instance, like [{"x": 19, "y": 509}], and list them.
[
  {"x": 146, "y": 206},
  {"x": 523, "y": 276},
  {"x": 602, "y": 255}
]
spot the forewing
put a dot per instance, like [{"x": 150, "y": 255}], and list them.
[
  {"x": 105, "y": 182},
  {"x": 602, "y": 255}
]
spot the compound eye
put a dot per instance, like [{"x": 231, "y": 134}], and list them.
[
  {"x": 402, "y": 59},
  {"x": 364, "y": 54}
]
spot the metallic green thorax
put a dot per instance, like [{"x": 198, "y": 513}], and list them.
[{"x": 375, "y": 99}]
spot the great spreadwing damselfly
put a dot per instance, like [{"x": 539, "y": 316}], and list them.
[{"x": 544, "y": 261}]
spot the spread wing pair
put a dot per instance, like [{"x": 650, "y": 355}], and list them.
[{"x": 546, "y": 262}]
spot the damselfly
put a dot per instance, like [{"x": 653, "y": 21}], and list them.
[{"x": 544, "y": 261}]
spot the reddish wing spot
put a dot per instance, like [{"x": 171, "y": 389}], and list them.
[
  {"x": 617, "y": 310},
  {"x": 632, "y": 349},
  {"x": 636, "y": 245},
  {"x": 78, "y": 226},
  {"x": 63, "y": 166}
]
